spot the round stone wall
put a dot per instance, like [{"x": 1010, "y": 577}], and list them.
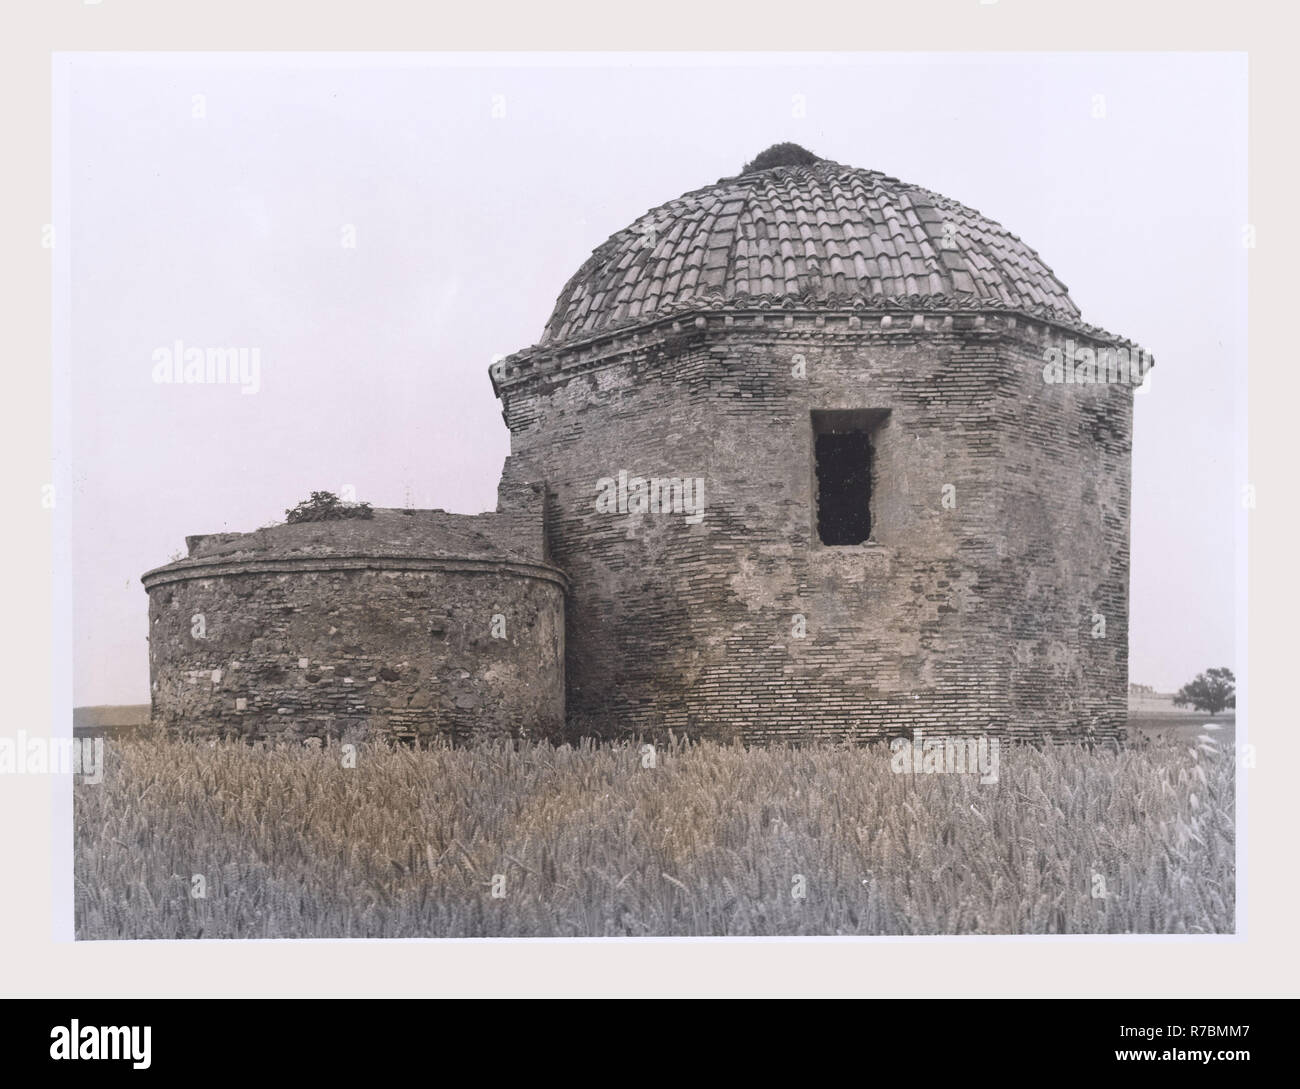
[
  {"x": 407, "y": 648},
  {"x": 807, "y": 344},
  {"x": 998, "y": 535}
]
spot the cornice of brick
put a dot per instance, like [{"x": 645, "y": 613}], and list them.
[
  {"x": 887, "y": 319},
  {"x": 189, "y": 570}
]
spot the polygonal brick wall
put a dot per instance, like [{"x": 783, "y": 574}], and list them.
[{"x": 975, "y": 615}]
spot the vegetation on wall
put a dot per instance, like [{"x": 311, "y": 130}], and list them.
[
  {"x": 786, "y": 154},
  {"x": 326, "y": 507}
]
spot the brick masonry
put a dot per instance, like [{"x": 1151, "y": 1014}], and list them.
[
  {"x": 696, "y": 345},
  {"x": 974, "y": 617},
  {"x": 360, "y": 628}
]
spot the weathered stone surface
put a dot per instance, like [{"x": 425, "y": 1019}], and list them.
[
  {"x": 323, "y": 628},
  {"x": 694, "y": 349},
  {"x": 967, "y": 618}
]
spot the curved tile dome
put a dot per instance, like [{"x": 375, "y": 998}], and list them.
[{"x": 807, "y": 230}]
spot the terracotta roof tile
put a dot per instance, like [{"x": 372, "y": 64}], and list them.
[{"x": 808, "y": 231}]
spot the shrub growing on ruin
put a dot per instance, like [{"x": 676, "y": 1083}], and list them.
[{"x": 326, "y": 507}]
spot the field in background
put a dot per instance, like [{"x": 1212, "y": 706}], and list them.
[
  {"x": 712, "y": 841},
  {"x": 110, "y": 720},
  {"x": 1182, "y": 725}
]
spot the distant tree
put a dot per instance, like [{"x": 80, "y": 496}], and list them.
[
  {"x": 326, "y": 507},
  {"x": 1211, "y": 692}
]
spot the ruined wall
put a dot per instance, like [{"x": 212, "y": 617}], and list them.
[
  {"x": 698, "y": 627},
  {"x": 315, "y": 630},
  {"x": 1065, "y": 507}
]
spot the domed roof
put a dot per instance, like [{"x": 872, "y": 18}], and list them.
[{"x": 797, "y": 228}]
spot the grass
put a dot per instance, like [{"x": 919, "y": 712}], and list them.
[
  {"x": 1183, "y": 725},
  {"x": 587, "y": 842}
]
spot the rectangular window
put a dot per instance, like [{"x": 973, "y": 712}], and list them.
[{"x": 843, "y": 450}]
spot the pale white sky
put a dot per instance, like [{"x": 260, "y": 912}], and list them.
[{"x": 224, "y": 230}]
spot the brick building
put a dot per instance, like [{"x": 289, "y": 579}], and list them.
[{"x": 820, "y": 455}]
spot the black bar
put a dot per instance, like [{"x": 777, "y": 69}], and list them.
[{"x": 211, "y": 1038}]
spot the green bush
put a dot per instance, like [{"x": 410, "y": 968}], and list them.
[
  {"x": 786, "y": 154},
  {"x": 326, "y": 507}
]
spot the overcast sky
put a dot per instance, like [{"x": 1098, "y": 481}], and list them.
[{"x": 210, "y": 196}]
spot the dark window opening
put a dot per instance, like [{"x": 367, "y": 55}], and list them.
[{"x": 843, "y": 455}]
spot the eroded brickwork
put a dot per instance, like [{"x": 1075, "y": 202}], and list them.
[
  {"x": 662, "y": 469},
  {"x": 345, "y": 627},
  {"x": 1064, "y": 506},
  {"x": 999, "y": 530}
]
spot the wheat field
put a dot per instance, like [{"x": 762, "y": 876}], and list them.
[{"x": 227, "y": 840}]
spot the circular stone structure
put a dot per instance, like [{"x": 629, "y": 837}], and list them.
[
  {"x": 406, "y": 625},
  {"x": 809, "y": 454},
  {"x": 813, "y": 477}
]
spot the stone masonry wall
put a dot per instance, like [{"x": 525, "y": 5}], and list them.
[
  {"x": 296, "y": 648},
  {"x": 744, "y": 625},
  {"x": 1065, "y": 508}
]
